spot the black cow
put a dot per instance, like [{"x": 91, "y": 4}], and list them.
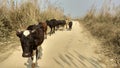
[
  {"x": 52, "y": 24},
  {"x": 61, "y": 23},
  {"x": 70, "y": 25},
  {"x": 31, "y": 40}
]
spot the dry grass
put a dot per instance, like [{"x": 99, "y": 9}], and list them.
[
  {"x": 16, "y": 15},
  {"x": 105, "y": 25}
]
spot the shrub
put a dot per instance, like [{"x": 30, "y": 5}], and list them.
[{"x": 105, "y": 26}]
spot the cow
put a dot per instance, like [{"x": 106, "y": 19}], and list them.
[
  {"x": 31, "y": 40},
  {"x": 52, "y": 24},
  {"x": 41, "y": 24},
  {"x": 70, "y": 25},
  {"x": 44, "y": 24},
  {"x": 61, "y": 23}
]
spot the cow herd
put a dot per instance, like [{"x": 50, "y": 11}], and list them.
[
  {"x": 55, "y": 24},
  {"x": 34, "y": 35}
]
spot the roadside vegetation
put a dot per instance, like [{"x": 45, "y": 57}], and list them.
[
  {"x": 104, "y": 24},
  {"x": 18, "y": 14}
]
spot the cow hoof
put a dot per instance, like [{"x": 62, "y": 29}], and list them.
[
  {"x": 26, "y": 64},
  {"x": 33, "y": 65}
]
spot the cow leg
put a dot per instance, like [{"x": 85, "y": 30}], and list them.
[
  {"x": 36, "y": 55},
  {"x": 39, "y": 52},
  {"x": 70, "y": 27},
  {"x": 54, "y": 29},
  {"x": 57, "y": 27},
  {"x": 45, "y": 36},
  {"x": 34, "y": 59},
  {"x": 50, "y": 30},
  {"x": 66, "y": 25},
  {"x": 33, "y": 65},
  {"x": 63, "y": 27}
]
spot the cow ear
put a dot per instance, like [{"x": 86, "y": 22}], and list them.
[{"x": 19, "y": 33}]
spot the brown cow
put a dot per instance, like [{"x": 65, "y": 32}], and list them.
[{"x": 44, "y": 24}]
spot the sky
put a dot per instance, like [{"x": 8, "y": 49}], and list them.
[{"x": 78, "y": 8}]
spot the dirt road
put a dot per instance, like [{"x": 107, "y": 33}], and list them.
[{"x": 64, "y": 49}]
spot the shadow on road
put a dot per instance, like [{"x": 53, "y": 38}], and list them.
[{"x": 75, "y": 59}]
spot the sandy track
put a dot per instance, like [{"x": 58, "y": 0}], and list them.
[{"x": 64, "y": 49}]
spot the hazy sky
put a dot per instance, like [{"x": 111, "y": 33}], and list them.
[{"x": 78, "y": 8}]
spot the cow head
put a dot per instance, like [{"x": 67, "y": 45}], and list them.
[
  {"x": 47, "y": 21},
  {"x": 27, "y": 42}
]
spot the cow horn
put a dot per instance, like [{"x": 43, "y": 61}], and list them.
[
  {"x": 18, "y": 30},
  {"x": 19, "y": 33}
]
